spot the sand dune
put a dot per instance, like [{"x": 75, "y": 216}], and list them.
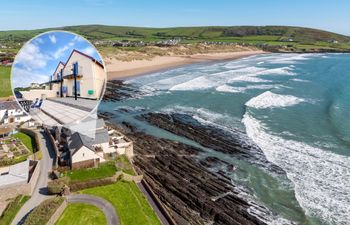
[{"x": 122, "y": 69}]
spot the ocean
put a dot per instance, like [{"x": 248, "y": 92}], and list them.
[{"x": 295, "y": 107}]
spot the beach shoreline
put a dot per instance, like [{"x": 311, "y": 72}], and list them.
[{"x": 119, "y": 70}]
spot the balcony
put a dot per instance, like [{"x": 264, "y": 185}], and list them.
[
  {"x": 68, "y": 72},
  {"x": 56, "y": 78}
]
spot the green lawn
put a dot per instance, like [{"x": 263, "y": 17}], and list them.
[
  {"x": 27, "y": 140},
  {"x": 13, "y": 207},
  {"x": 82, "y": 214},
  {"x": 5, "y": 82},
  {"x": 124, "y": 165},
  {"x": 106, "y": 169},
  {"x": 130, "y": 204}
]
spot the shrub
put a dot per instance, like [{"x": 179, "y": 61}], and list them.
[{"x": 56, "y": 186}]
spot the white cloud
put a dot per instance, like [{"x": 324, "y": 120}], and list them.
[
  {"x": 31, "y": 57},
  {"x": 60, "y": 51},
  {"x": 89, "y": 51},
  {"x": 78, "y": 38},
  {"x": 39, "y": 40},
  {"x": 53, "y": 39},
  {"x": 23, "y": 77}
]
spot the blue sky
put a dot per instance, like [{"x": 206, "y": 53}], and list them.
[
  {"x": 38, "y": 59},
  {"x": 324, "y": 14}
]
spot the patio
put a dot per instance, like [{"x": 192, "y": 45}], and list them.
[{"x": 60, "y": 111}]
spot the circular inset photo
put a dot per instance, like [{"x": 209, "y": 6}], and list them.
[{"x": 58, "y": 78}]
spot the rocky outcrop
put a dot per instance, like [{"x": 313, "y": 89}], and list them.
[
  {"x": 231, "y": 143},
  {"x": 192, "y": 194},
  {"x": 118, "y": 90}
]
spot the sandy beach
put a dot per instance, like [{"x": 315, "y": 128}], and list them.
[{"x": 118, "y": 69}]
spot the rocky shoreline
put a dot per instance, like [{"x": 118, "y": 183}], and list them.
[
  {"x": 191, "y": 193},
  {"x": 233, "y": 143},
  {"x": 186, "y": 184}
]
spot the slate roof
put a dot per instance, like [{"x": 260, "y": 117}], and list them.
[
  {"x": 77, "y": 140},
  {"x": 9, "y": 105}
]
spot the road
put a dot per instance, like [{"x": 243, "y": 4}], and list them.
[
  {"x": 40, "y": 191},
  {"x": 100, "y": 203}
]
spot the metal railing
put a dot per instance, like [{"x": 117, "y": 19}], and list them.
[{"x": 69, "y": 71}]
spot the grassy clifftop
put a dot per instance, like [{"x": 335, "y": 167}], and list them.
[{"x": 290, "y": 38}]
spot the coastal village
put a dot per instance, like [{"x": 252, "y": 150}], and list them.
[
  {"x": 50, "y": 170},
  {"x": 67, "y": 161}
]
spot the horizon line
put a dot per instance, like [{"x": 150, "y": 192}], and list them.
[{"x": 169, "y": 27}]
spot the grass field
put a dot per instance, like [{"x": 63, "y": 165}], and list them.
[
  {"x": 27, "y": 140},
  {"x": 5, "y": 82},
  {"x": 130, "y": 204},
  {"x": 13, "y": 207},
  {"x": 82, "y": 214},
  {"x": 267, "y": 35},
  {"x": 106, "y": 169},
  {"x": 124, "y": 165}
]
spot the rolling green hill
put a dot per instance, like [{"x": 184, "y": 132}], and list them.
[{"x": 292, "y": 38}]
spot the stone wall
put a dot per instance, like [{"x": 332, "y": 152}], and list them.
[
  {"x": 53, "y": 144},
  {"x": 38, "y": 144},
  {"x": 160, "y": 205},
  {"x": 58, "y": 213},
  {"x": 86, "y": 164},
  {"x": 21, "y": 188},
  {"x": 34, "y": 178},
  {"x": 38, "y": 93},
  {"x": 128, "y": 177}
]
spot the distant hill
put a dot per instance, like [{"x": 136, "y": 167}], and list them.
[{"x": 297, "y": 38}]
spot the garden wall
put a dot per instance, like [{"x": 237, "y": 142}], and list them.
[
  {"x": 58, "y": 213},
  {"x": 23, "y": 188}
]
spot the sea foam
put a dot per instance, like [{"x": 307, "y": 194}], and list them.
[
  {"x": 321, "y": 178},
  {"x": 272, "y": 100},
  {"x": 230, "y": 89}
]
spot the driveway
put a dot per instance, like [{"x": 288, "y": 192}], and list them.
[
  {"x": 40, "y": 191},
  {"x": 106, "y": 207}
]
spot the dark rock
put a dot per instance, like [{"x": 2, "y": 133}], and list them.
[
  {"x": 232, "y": 143},
  {"x": 192, "y": 194}
]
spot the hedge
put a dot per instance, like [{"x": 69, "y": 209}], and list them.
[{"x": 42, "y": 213}]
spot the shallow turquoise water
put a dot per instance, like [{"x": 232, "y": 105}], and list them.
[{"x": 295, "y": 107}]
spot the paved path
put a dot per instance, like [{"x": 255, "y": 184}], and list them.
[
  {"x": 40, "y": 191},
  {"x": 100, "y": 203}
]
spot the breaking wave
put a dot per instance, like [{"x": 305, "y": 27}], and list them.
[
  {"x": 230, "y": 89},
  {"x": 320, "y": 177},
  {"x": 272, "y": 100}
]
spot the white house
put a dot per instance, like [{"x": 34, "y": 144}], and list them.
[
  {"x": 90, "y": 77},
  {"x": 82, "y": 152},
  {"x": 86, "y": 151},
  {"x": 11, "y": 112},
  {"x": 34, "y": 85}
]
